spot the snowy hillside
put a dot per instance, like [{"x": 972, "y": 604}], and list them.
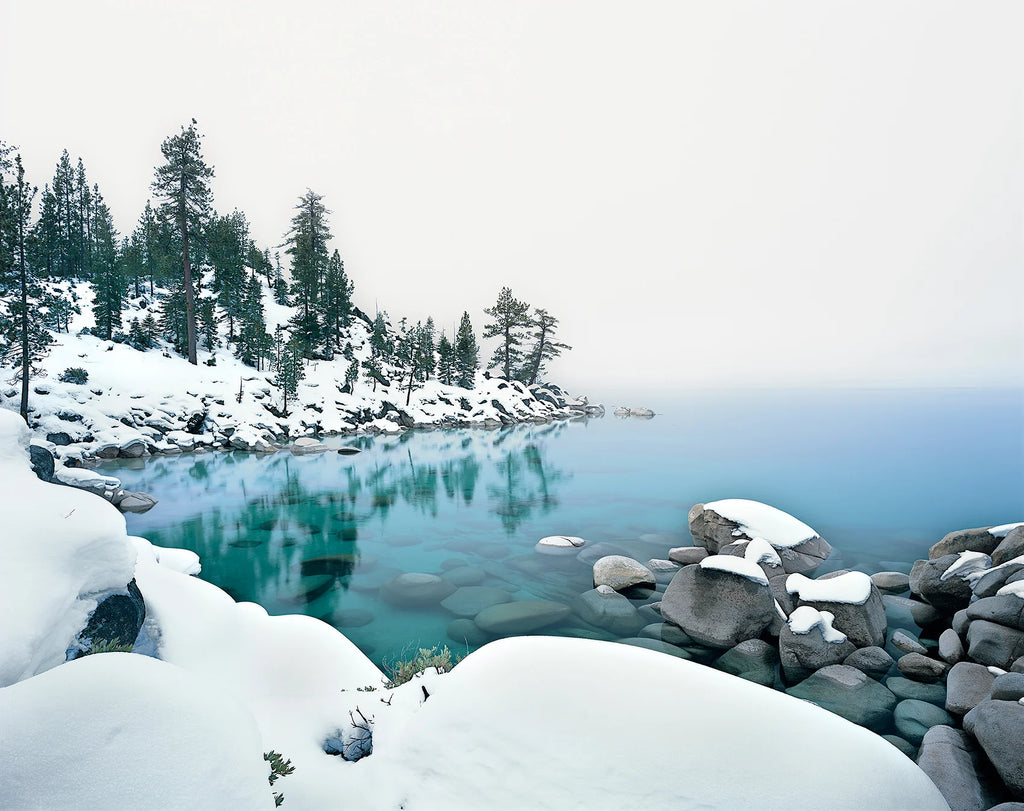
[{"x": 145, "y": 402}]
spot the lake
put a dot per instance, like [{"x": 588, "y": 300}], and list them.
[{"x": 880, "y": 474}]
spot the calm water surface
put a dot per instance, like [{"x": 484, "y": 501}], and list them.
[{"x": 880, "y": 474}]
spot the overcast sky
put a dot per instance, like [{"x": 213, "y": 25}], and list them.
[{"x": 706, "y": 194}]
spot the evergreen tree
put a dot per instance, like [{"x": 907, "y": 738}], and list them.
[
  {"x": 352, "y": 374},
  {"x": 183, "y": 184},
  {"x": 107, "y": 280},
  {"x": 208, "y": 323},
  {"x": 253, "y": 341},
  {"x": 545, "y": 347},
  {"x": 407, "y": 353},
  {"x": 45, "y": 255},
  {"x": 446, "y": 367},
  {"x": 228, "y": 244},
  {"x": 425, "y": 350},
  {"x": 336, "y": 303},
  {"x": 511, "y": 320},
  {"x": 380, "y": 349},
  {"x": 467, "y": 359},
  {"x": 280, "y": 283},
  {"x": 307, "y": 245},
  {"x": 289, "y": 367},
  {"x": 64, "y": 208},
  {"x": 23, "y": 340}
]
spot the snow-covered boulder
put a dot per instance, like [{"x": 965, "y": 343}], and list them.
[
  {"x": 930, "y": 582},
  {"x": 852, "y": 599},
  {"x": 808, "y": 642},
  {"x": 720, "y": 523}
]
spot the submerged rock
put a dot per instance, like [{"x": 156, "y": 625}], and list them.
[
  {"x": 606, "y": 608},
  {"x": 415, "y": 590},
  {"x": 468, "y": 601},
  {"x": 520, "y": 617},
  {"x": 848, "y": 692},
  {"x": 914, "y": 718}
]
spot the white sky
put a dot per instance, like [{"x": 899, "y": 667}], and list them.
[{"x": 706, "y": 194}]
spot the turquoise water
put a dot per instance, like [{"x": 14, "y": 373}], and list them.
[{"x": 880, "y": 474}]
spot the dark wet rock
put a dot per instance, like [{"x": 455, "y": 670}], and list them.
[
  {"x": 605, "y": 608},
  {"x": 924, "y": 614},
  {"x": 655, "y": 645},
  {"x": 914, "y": 718},
  {"x": 415, "y": 590},
  {"x": 754, "y": 660},
  {"x": 907, "y": 688},
  {"x": 466, "y": 632},
  {"x": 1010, "y": 547},
  {"x": 1006, "y": 609},
  {"x": 1008, "y": 687},
  {"x": 521, "y": 617},
  {"x": 988, "y": 584},
  {"x": 718, "y": 609},
  {"x": 352, "y": 618},
  {"x": 891, "y": 582},
  {"x": 334, "y": 565},
  {"x": 949, "y": 595},
  {"x": 465, "y": 576},
  {"x": 967, "y": 686},
  {"x": 905, "y": 747},
  {"x": 42, "y": 462},
  {"x": 802, "y": 654},
  {"x": 116, "y": 620},
  {"x": 874, "y": 661},
  {"x": 107, "y": 451},
  {"x": 922, "y": 668},
  {"x": 620, "y": 572},
  {"x": 998, "y": 727},
  {"x": 906, "y": 642},
  {"x": 133, "y": 449},
  {"x": 951, "y": 648},
  {"x": 993, "y": 644},
  {"x": 346, "y": 450},
  {"x": 59, "y": 438},
  {"x": 196, "y": 422},
  {"x": 686, "y": 555},
  {"x": 964, "y": 540},
  {"x": 957, "y": 768},
  {"x": 666, "y": 632},
  {"x": 848, "y": 692},
  {"x": 468, "y": 601}
]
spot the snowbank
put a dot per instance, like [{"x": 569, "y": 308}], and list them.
[
  {"x": 734, "y": 565},
  {"x": 757, "y": 520}
]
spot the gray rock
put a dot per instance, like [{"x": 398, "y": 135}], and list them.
[
  {"x": 520, "y": 617},
  {"x": 1018, "y": 665},
  {"x": 754, "y": 660},
  {"x": 650, "y": 613},
  {"x": 666, "y": 632},
  {"x": 914, "y": 718},
  {"x": 468, "y": 601},
  {"x": 133, "y": 449},
  {"x": 998, "y": 727},
  {"x": 948, "y": 596},
  {"x": 718, "y": 609},
  {"x": 967, "y": 685},
  {"x": 117, "y": 620},
  {"x": 848, "y": 692},
  {"x": 107, "y": 451},
  {"x": 906, "y": 643},
  {"x": 465, "y": 575},
  {"x": 953, "y": 762},
  {"x": 42, "y": 462},
  {"x": 864, "y": 624},
  {"x": 993, "y": 644},
  {"x": 951, "y": 649},
  {"x": 922, "y": 668},
  {"x": 905, "y": 747},
  {"x": 874, "y": 661},
  {"x": 663, "y": 570},
  {"x": 891, "y": 582},
  {"x": 1007, "y": 609},
  {"x": 964, "y": 540},
  {"x": 606, "y": 608},
  {"x": 802, "y": 654},
  {"x": 135, "y": 502},
  {"x": 60, "y": 438},
  {"x": 655, "y": 645},
  {"x": 1010, "y": 547},
  {"x": 685, "y": 555},
  {"x": 466, "y": 632},
  {"x": 306, "y": 445},
  {"x": 924, "y": 614},
  {"x": 620, "y": 572},
  {"x": 988, "y": 584},
  {"x": 1007, "y": 807},
  {"x": 960, "y": 623},
  {"x": 1008, "y": 687},
  {"x": 415, "y": 590},
  {"x": 906, "y": 688}
]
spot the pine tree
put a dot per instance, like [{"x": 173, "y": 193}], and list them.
[
  {"x": 467, "y": 359},
  {"x": 289, "y": 368},
  {"x": 425, "y": 350},
  {"x": 511, "y": 321},
  {"x": 107, "y": 280},
  {"x": 336, "y": 303},
  {"x": 352, "y": 374},
  {"x": 228, "y": 243},
  {"x": 280, "y": 283},
  {"x": 208, "y": 323},
  {"x": 23, "y": 340},
  {"x": 446, "y": 366},
  {"x": 380, "y": 349},
  {"x": 252, "y": 343},
  {"x": 545, "y": 347},
  {"x": 307, "y": 245},
  {"x": 407, "y": 353},
  {"x": 183, "y": 184}
]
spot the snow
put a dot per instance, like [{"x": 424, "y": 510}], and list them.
[
  {"x": 853, "y": 588},
  {"x": 735, "y": 565},
  {"x": 966, "y": 564},
  {"x": 805, "y": 618},
  {"x": 1016, "y": 589},
  {"x": 561, "y": 541},
  {"x": 757, "y": 520},
  {"x": 62, "y": 550},
  {"x": 1003, "y": 530},
  {"x": 760, "y": 551},
  {"x": 117, "y": 730}
]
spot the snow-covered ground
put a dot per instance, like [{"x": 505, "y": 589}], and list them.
[{"x": 521, "y": 723}]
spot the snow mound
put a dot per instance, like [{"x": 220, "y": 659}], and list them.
[
  {"x": 757, "y": 520},
  {"x": 760, "y": 551},
  {"x": 805, "y": 618},
  {"x": 853, "y": 588},
  {"x": 117, "y": 730},
  {"x": 62, "y": 549},
  {"x": 500, "y": 727},
  {"x": 735, "y": 565},
  {"x": 967, "y": 564},
  {"x": 1004, "y": 529}
]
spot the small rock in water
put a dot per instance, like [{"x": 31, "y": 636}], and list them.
[
  {"x": 914, "y": 718},
  {"x": 352, "y": 618},
  {"x": 905, "y": 747},
  {"x": 685, "y": 555},
  {"x": 559, "y": 545},
  {"x": 891, "y": 582},
  {"x": 520, "y": 617},
  {"x": 465, "y": 575},
  {"x": 466, "y": 632},
  {"x": 873, "y": 660},
  {"x": 848, "y": 692},
  {"x": 906, "y": 643},
  {"x": 620, "y": 572},
  {"x": 906, "y": 688},
  {"x": 922, "y": 668},
  {"x": 347, "y": 450}
]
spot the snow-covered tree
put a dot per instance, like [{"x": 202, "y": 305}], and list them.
[{"x": 510, "y": 323}]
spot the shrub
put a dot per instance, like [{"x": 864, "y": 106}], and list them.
[
  {"x": 74, "y": 374},
  {"x": 279, "y": 767},
  {"x": 402, "y": 671},
  {"x": 109, "y": 646}
]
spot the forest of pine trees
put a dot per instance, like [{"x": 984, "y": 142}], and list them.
[{"x": 199, "y": 278}]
